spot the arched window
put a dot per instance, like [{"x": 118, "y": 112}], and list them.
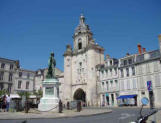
[{"x": 79, "y": 43}]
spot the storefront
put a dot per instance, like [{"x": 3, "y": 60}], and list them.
[{"x": 127, "y": 100}]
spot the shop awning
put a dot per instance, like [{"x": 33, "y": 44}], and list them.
[{"x": 126, "y": 96}]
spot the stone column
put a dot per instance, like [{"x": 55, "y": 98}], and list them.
[
  {"x": 110, "y": 100},
  {"x": 55, "y": 91},
  {"x": 43, "y": 91},
  {"x": 115, "y": 99}
]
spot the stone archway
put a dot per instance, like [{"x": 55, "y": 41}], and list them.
[{"x": 80, "y": 95}]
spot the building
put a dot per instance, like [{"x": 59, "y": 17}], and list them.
[
  {"x": 134, "y": 72},
  {"x": 80, "y": 76},
  {"x": 8, "y": 70},
  {"x": 24, "y": 80},
  {"x": 108, "y": 86},
  {"x": 40, "y": 75}
]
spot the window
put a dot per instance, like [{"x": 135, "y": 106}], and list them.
[
  {"x": 106, "y": 72},
  {"x": 111, "y": 71},
  {"x": 2, "y": 65},
  {"x": 111, "y": 83},
  {"x": 130, "y": 61},
  {"x": 116, "y": 83},
  {"x": 19, "y": 84},
  {"x": 122, "y": 85},
  {"x": 20, "y": 74},
  {"x": 80, "y": 64},
  {"x": 103, "y": 85},
  {"x": 1, "y": 86},
  {"x": 11, "y": 66},
  {"x": 127, "y": 71},
  {"x": 133, "y": 71},
  {"x": 128, "y": 84},
  {"x": 28, "y": 75},
  {"x": 122, "y": 73},
  {"x": 115, "y": 71},
  {"x": 134, "y": 84},
  {"x": 27, "y": 85},
  {"x": 107, "y": 85},
  {"x": 110, "y": 62},
  {"x": 9, "y": 88},
  {"x": 1, "y": 75},
  {"x": 79, "y": 45},
  {"x": 10, "y": 77},
  {"x": 125, "y": 62}
]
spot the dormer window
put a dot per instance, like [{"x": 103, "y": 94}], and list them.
[{"x": 110, "y": 62}]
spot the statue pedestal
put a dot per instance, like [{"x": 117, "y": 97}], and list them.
[{"x": 50, "y": 99}]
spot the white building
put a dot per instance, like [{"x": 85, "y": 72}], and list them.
[
  {"x": 80, "y": 78},
  {"x": 24, "y": 80},
  {"x": 108, "y": 85},
  {"x": 8, "y": 70},
  {"x": 40, "y": 75},
  {"x": 134, "y": 71}
]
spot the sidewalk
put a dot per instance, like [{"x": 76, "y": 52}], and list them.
[
  {"x": 158, "y": 117},
  {"x": 33, "y": 114}
]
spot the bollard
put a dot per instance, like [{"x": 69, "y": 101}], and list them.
[
  {"x": 68, "y": 105},
  {"x": 60, "y": 106},
  {"x": 26, "y": 106},
  {"x": 79, "y": 107}
]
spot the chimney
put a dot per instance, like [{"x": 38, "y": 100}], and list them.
[
  {"x": 107, "y": 56},
  {"x": 139, "y": 49},
  {"x": 144, "y": 50},
  {"x": 127, "y": 54},
  {"x": 159, "y": 37}
]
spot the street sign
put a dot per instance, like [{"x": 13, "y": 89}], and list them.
[{"x": 149, "y": 85}]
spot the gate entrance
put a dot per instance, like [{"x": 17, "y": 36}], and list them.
[{"x": 80, "y": 95}]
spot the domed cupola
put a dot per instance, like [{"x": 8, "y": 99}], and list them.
[{"x": 82, "y": 27}]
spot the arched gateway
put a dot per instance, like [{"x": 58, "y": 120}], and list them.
[{"x": 80, "y": 95}]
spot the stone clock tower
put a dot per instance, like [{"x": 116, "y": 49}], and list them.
[{"x": 79, "y": 66}]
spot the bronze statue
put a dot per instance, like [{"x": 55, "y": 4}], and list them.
[{"x": 51, "y": 67}]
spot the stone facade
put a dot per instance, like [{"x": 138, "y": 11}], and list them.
[
  {"x": 133, "y": 73},
  {"x": 40, "y": 76},
  {"x": 109, "y": 87},
  {"x": 24, "y": 80},
  {"x": 8, "y": 70},
  {"x": 79, "y": 66}
]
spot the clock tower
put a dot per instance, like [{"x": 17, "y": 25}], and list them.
[{"x": 79, "y": 65}]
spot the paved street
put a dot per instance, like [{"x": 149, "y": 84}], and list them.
[{"x": 119, "y": 115}]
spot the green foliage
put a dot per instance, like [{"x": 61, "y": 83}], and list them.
[
  {"x": 26, "y": 94},
  {"x": 39, "y": 93},
  {"x": 3, "y": 92}
]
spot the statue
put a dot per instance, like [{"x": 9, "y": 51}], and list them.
[
  {"x": 50, "y": 98},
  {"x": 51, "y": 67}
]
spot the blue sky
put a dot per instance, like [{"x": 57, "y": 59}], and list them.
[{"x": 31, "y": 29}]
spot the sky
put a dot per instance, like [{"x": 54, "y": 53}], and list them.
[{"x": 31, "y": 29}]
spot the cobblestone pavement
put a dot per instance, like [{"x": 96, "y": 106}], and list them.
[
  {"x": 88, "y": 115},
  {"x": 66, "y": 113}
]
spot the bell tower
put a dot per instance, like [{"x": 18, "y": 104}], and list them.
[
  {"x": 79, "y": 65},
  {"x": 82, "y": 36}
]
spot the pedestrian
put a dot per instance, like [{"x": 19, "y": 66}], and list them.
[
  {"x": 4, "y": 103},
  {"x": 1, "y": 101},
  {"x": 8, "y": 102}
]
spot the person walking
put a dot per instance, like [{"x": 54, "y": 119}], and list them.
[
  {"x": 4, "y": 103},
  {"x": 8, "y": 102}
]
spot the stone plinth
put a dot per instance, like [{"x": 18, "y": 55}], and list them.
[{"x": 50, "y": 99}]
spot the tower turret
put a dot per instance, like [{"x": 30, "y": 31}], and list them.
[{"x": 82, "y": 35}]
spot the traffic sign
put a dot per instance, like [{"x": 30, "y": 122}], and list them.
[{"x": 149, "y": 85}]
